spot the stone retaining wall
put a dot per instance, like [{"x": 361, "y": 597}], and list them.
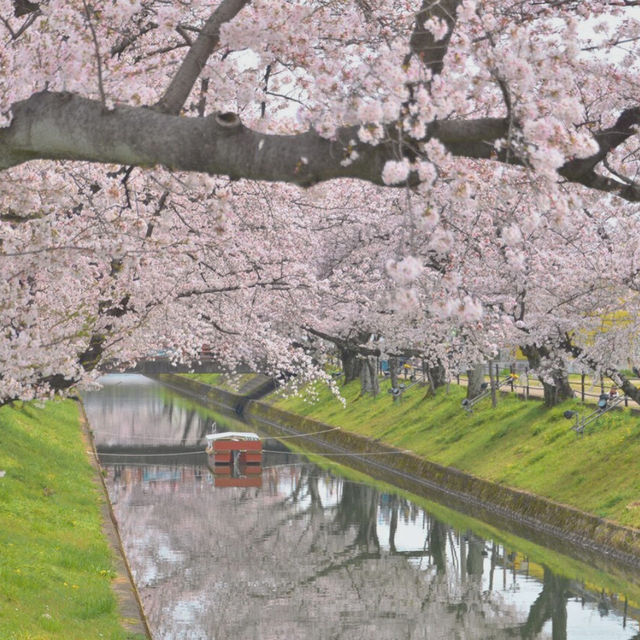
[{"x": 213, "y": 396}]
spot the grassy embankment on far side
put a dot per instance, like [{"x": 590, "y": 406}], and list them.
[
  {"x": 228, "y": 382},
  {"x": 55, "y": 562},
  {"x": 520, "y": 443}
]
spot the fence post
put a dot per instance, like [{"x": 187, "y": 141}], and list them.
[
  {"x": 582, "y": 386},
  {"x": 492, "y": 381},
  {"x": 511, "y": 371}
]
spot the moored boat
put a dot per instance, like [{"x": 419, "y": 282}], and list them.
[{"x": 235, "y": 450}]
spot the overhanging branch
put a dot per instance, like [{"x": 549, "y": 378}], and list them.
[{"x": 64, "y": 126}]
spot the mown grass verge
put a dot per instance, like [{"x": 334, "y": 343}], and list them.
[
  {"x": 520, "y": 444},
  {"x": 55, "y": 564}
]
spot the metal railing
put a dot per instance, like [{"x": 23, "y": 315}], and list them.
[
  {"x": 605, "y": 403},
  {"x": 468, "y": 404}
]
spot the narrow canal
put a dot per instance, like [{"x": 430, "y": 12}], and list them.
[{"x": 309, "y": 554}]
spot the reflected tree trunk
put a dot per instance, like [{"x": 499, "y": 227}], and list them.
[
  {"x": 475, "y": 559},
  {"x": 359, "y": 506},
  {"x": 314, "y": 494},
  {"x": 393, "y": 524},
  {"x": 551, "y": 604},
  {"x": 438, "y": 545},
  {"x": 187, "y": 426}
]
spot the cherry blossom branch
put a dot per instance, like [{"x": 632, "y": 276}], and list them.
[
  {"x": 582, "y": 170},
  {"x": 178, "y": 91},
  {"x": 25, "y": 25},
  {"x": 126, "y": 41},
  {"x": 63, "y": 126},
  {"x": 344, "y": 343},
  {"x": 612, "y": 373}
]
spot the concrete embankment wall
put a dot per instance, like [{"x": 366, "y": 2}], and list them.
[
  {"x": 562, "y": 527},
  {"x": 565, "y": 528},
  {"x": 213, "y": 396}
]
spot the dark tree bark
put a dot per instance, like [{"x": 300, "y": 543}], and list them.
[
  {"x": 65, "y": 126},
  {"x": 393, "y": 371},
  {"x": 436, "y": 376},
  {"x": 351, "y": 364},
  {"x": 556, "y": 390}
]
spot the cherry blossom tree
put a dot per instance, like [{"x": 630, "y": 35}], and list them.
[{"x": 145, "y": 146}]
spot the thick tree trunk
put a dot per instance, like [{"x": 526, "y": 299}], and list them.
[
  {"x": 557, "y": 388},
  {"x": 437, "y": 376},
  {"x": 475, "y": 377},
  {"x": 351, "y": 364},
  {"x": 393, "y": 372},
  {"x": 369, "y": 376},
  {"x": 494, "y": 383}
]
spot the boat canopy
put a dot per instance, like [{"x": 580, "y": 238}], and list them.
[{"x": 232, "y": 435}]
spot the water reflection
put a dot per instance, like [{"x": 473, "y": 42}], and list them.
[{"x": 312, "y": 555}]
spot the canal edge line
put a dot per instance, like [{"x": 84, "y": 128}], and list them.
[
  {"x": 130, "y": 606},
  {"x": 520, "y": 511}
]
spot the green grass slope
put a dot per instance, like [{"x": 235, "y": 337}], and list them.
[
  {"x": 521, "y": 444},
  {"x": 55, "y": 563}
]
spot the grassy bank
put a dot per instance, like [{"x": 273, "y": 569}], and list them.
[
  {"x": 521, "y": 444},
  {"x": 55, "y": 563},
  {"x": 228, "y": 382}
]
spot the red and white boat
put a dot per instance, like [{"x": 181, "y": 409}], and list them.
[{"x": 235, "y": 452}]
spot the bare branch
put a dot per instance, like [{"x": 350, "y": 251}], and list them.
[
  {"x": 423, "y": 43},
  {"x": 126, "y": 41},
  {"x": 178, "y": 91},
  {"x": 94, "y": 37}
]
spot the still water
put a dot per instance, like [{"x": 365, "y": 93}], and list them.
[{"x": 310, "y": 555}]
